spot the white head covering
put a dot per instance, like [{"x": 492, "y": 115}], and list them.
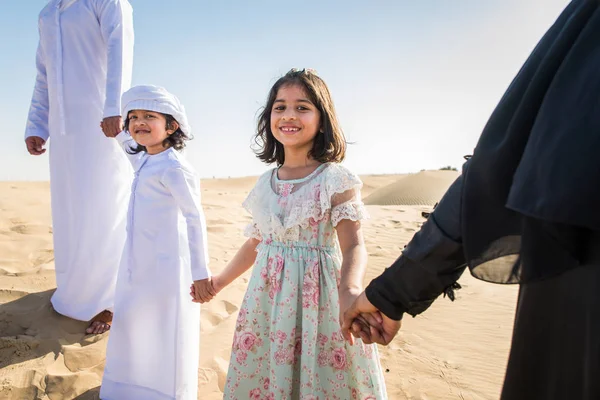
[{"x": 157, "y": 99}]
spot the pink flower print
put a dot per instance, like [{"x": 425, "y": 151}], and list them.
[
  {"x": 254, "y": 394},
  {"x": 338, "y": 358},
  {"x": 312, "y": 222},
  {"x": 317, "y": 192},
  {"x": 264, "y": 273},
  {"x": 268, "y": 241},
  {"x": 354, "y": 394},
  {"x": 281, "y": 336},
  {"x": 315, "y": 270},
  {"x": 242, "y": 316},
  {"x": 370, "y": 397},
  {"x": 247, "y": 341},
  {"x": 282, "y": 357},
  {"x": 240, "y": 357},
  {"x": 285, "y": 189},
  {"x": 279, "y": 261},
  {"x": 309, "y": 397},
  {"x": 337, "y": 336},
  {"x": 310, "y": 293},
  {"x": 322, "y": 339},
  {"x": 315, "y": 297},
  {"x": 274, "y": 287},
  {"x": 258, "y": 342},
  {"x": 270, "y": 396},
  {"x": 323, "y": 358},
  {"x": 266, "y": 383}
]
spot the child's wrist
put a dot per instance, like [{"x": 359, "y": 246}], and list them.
[
  {"x": 217, "y": 282},
  {"x": 350, "y": 288}
]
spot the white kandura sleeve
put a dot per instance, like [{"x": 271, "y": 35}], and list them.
[
  {"x": 37, "y": 120},
  {"x": 185, "y": 188},
  {"x": 116, "y": 24}
]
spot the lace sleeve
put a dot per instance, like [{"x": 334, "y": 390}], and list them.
[
  {"x": 253, "y": 204},
  {"x": 252, "y": 231},
  {"x": 347, "y": 205},
  {"x": 346, "y": 202}
]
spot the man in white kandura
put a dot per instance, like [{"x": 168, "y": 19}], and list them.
[{"x": 84, "y": 63}]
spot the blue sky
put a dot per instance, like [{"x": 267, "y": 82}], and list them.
[{"x": 413, "y": 81}]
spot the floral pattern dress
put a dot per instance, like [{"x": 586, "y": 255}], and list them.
[{"x": 288, "y": 343}]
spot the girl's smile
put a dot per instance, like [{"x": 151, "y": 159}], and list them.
[{"x": 295, "y": 120}]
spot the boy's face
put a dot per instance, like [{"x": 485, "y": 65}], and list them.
[{"x": 148, "y": 128}]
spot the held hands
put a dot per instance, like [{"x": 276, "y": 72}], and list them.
[
  {"x": 205, "y": 290},
  {"x": 112, "y": 126},
  {"x": 362, "y": 320},
  {"x": 35, "y": 145}
]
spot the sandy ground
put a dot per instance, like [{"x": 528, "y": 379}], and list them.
[{"x": 454, "y": 351}]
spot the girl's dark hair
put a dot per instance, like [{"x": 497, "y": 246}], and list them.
[
  {"x": 175, "y": 140},
  {"x": 329, "y": 144}
]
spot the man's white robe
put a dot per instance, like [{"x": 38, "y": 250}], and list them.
[{"x": 84, "y": 63}]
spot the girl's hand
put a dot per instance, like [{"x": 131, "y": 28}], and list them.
[
  {"x": 363, "y": 324},
  {"x": 382, "y": 329},
  {"x": 202, "y": 291},
  {"x": 212, "y": 286},
  {"x": 347, "y": 298}
]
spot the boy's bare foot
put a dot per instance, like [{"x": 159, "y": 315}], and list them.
[{"x": 100, "y": 323}]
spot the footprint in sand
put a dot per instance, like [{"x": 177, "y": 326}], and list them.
[
  {"x": 209, "y": 320},
  {"x": 13, "y": 349},
  {"x": 229, "y": 307},
  {"x": 22, "y": 229},
  {"x": 215, "y": 313},
  {"x": 27, "y": 229},
  {"x": 41, "y": 257}
]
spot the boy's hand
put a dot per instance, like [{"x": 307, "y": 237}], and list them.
[{"x": 202, "y": 291}]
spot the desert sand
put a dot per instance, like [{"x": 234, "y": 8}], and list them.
[{"x": 456, "y": 350}]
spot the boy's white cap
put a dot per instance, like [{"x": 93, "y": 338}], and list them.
[{"x": 157, "y": 99}]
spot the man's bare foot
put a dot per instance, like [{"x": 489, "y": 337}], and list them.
[{"x": 100, "y": 323}]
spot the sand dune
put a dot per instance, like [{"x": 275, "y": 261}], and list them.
[
  {"x": 423, "y": 188},
  {"x": 455, "y": 351}
]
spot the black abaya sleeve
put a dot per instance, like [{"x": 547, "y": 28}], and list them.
[{"x": 430, "y": 264}]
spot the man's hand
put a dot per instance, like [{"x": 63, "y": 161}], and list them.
[
  {"x": 35, "y": 145},
  {"x": 381, "y": 333},
  {"x": 112, "y": 126}
]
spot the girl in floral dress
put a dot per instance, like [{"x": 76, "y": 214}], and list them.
[{"x": 309, "y": 257}]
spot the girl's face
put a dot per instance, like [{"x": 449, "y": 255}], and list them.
[
  {"x": 295, "y": 120},
  {"x": 148, "y": 128}
]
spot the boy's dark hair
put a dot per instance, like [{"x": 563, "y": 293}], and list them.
[
  {"x": 329, "y": 144},
  {"x": 175, "y": 140}
]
